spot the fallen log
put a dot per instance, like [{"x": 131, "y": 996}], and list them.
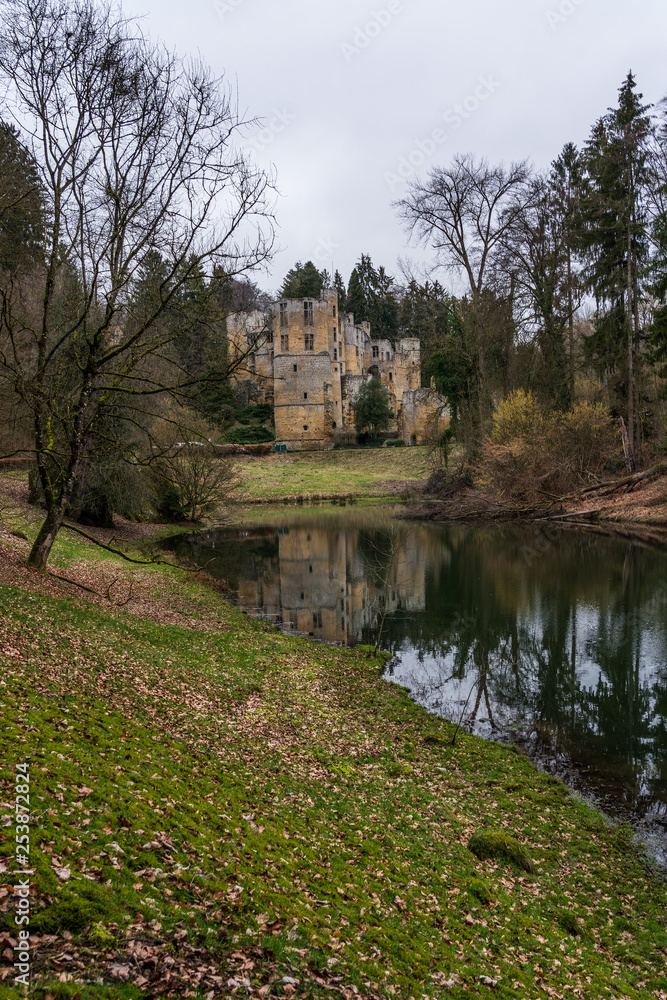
[
  {"x": 590, "y": 515},
  {"x": 629, "y": 482}
]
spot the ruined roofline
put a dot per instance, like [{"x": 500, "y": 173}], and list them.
[{"x": 324, "y": 296}]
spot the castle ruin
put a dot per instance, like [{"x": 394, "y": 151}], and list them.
[{"x": 309, "y": 361}]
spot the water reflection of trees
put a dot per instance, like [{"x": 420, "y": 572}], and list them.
[{"x": 571, "y": 641}]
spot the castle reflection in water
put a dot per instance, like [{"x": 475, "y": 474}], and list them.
[{"x": 334, "y": 584}]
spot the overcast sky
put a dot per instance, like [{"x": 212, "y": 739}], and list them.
[{"x": 355, "y": 95}]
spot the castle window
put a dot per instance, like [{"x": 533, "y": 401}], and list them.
[
  {"x": 284, "y": 342},
  {"x": 251, "y": 360},
  {"x": 376, "y": 352},
  {"x": 334, "y": 312},
  {"x": 283, "y": 314},
  {"x": 305, "y": 395},
  {"x": 308, "y": 313},
  {"x": 271, "y": 355},
  {"x": 334, "y": 335},
  {"x": 305, "y": 427},
  {"x": 317, "y": 619},
  {"x": 390, "y": 376},
  {"x": 294, "y": 367},
  {"x": 335, "y": 354},
  {"x": 310, "y": 569},
  {"x": 309, "y": 341},
  {"x": 334, "y": 425},
  {"x": 269, "y": 337}
]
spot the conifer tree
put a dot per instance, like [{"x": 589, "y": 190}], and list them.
[
  {"x": 371, "y": 408},
  {"x": 304, "y": 281},
  {"x": 614, "y": 233},
  {"x": 372, "y": 298},
  {"x": 22, "y": 215},
  {"x": 339, "y": 286}
]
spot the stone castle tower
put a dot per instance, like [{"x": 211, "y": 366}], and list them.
[{"x": 309, "y": 361}]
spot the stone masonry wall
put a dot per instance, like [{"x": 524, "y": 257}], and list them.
[{"x": 309, "y": 361}]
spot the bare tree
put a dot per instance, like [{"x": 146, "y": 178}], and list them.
[
  {"x": 536, "y": 256},
  {"x": 203, "y": 482},
  {"x": 135, "y": 150},
  {"x": 190, "y": 475},
  {"x": 465, "y": 212}
]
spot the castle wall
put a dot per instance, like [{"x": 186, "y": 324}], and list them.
[
  {"x": 422, "y": 417},
  {"x": 303, "y": 401},
  {"x": 309, "y": 362}
]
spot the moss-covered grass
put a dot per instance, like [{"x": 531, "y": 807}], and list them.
[
  {"x": 221, "y": 809},
  {"x": 356, "y": 472}
]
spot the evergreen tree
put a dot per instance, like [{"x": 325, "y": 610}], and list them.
[
  {"x": 425, "y": 313},
  {"x": 453, "y": 366},
  {"x": 371, "y": 408},
  {"x": 372, "y": 298},
  {"x": 658, "y": 273},
  {"x": 614, "y": 234},
  {"x": 357, "y": 302},
  {"x": 22, "y": 214},
  {"x": 304, "y": 281},
  {"x": 339, "y": 285}
]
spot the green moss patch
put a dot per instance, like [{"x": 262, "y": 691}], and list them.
[{"x": 500, "y": 845}]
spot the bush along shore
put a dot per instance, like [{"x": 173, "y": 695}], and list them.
[{"x": 219, "y": 809}]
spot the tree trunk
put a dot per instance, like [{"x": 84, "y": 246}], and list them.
[
  {"x": 41, "y": 550},
  {"x": 570, "y": 306},
  {"x": 627, "y": 448},
  {"x": 631, "y": 350},
  {"x": 481, "y": 361}
]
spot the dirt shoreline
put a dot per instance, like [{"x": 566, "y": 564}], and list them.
[{"x": 641, "y": 513}]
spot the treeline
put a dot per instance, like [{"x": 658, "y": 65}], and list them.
[{"x": 553, "y": 282}]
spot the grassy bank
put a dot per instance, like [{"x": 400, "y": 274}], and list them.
[
  {"x": 220, "y": 810},
  {"x": 357, "y": 472}
]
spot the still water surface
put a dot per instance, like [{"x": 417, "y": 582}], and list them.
[{"x": 556, "y": 639}]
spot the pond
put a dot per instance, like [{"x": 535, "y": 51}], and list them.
[{"x": 551, "y": 637}]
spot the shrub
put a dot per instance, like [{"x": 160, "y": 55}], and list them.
[
  {"x": 261, "y": 413},
  {"x": 396, "y": 443},
  {"x": 518, "y": 417},
  {"x": 190, "y": 482},
  {"x": 501, "y": 846},
  {"x": 530, "y": 452},
  {"x": 250, "y": 435},
  {"x": 585, "y": 438}
]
